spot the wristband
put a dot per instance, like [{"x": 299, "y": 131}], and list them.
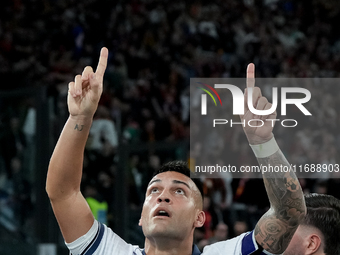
[{"x": 266, "y": 149}]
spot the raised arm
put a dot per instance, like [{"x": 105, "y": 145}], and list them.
[
  {"x": 65, "y": 169},
  {"x": 287, "y": 206}
]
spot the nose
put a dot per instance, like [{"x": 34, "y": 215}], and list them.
[
  {"x": 163, "y": 197},
  {"x": 160, "y": 199}
]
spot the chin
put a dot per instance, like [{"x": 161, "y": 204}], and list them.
[
  {"x": 162, "y": 232},
  {"x": 158, "y": 229}
]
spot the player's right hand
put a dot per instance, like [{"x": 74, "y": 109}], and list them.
[{"x": 85, "y": 91}]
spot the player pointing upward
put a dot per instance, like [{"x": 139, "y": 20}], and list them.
[{"x": 173, "y": 205}]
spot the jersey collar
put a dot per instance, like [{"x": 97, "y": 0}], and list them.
[{"x": 195, "y": 250}]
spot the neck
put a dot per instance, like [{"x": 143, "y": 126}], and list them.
[{"x": 164, "y": 246}]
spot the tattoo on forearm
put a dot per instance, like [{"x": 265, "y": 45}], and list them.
[
  {"x": 79, "y": 127},
  {"x": 276, "y": 228}
]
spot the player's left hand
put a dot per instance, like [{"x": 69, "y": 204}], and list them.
[{"x": 256, "y": 133}]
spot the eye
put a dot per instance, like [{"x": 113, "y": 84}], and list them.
[
  {"x": 179, "y": 191},
  {"x": 154, "y": 190}
]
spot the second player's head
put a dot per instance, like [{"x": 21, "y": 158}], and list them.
[{"x": 319, "y": 233}]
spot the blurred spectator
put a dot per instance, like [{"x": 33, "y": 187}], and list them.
[
  {"x": 98, "y": 205},
  {"x": 240, "y": 227},
  {"x": 132, "y": 131},
  {"x": 102, "y": 143},
  {"x": 21, "y": 193},
  {"x": 12, "y": 143},
  {"x": 136, "y": 182},
  {"x": 220, "y": 233},
  {"x": 103, "y": 136}
]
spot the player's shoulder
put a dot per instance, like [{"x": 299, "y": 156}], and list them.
[
  {"x": 114, "y": 244},
  {"x": 102, "y": 240},
  {"x": 231, "y": 246},
  {"x": 244, "y": 244}
]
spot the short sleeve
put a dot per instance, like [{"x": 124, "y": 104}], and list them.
[
  {"x": 101, "y": 240},
  {"x": 244, "y": 244}
]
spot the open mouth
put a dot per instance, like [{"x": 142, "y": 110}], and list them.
[{"x": 162, "y": 213}]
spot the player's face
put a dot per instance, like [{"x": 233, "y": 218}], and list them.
[{"x": 169, "y": 208}]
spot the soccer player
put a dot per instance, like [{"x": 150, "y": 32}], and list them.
[
  {"x": 319, "y": 232},
  {"x": 173, "y": 204}
]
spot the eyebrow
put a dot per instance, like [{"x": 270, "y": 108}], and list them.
[
  {"x": 174, "y": 181},
  {"x": 180, "y": 182},
  {"x": 153, "y": 181}
]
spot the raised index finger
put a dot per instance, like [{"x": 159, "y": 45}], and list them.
[
  {"x": 104, "y": 53},
  {"x": 250, "y": 75}
]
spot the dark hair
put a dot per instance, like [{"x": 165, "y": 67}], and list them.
[
  {"x": 180, "y": 167},
  {"x": 323, "y": 212}
]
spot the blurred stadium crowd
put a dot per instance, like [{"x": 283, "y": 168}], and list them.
[{"x": 155, "y": 48}]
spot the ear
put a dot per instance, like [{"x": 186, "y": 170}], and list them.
[
  {"x": 200, "y": 219},
  {"x": 140, "y": 222},
  {"x": 314, "y": 244}
]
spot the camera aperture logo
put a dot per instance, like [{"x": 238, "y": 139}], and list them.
[
  {"x": 239, "y": 105},
  {"x": 204, "y": 97}
]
